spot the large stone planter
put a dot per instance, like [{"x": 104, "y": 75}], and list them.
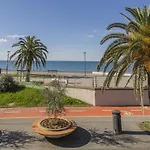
[{"x": 51, "y": 133}]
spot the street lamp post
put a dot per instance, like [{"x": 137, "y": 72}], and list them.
[
  {"x": 21, "y": 70},
  {"x": 7, "y": 62},
  {"x": 84, "y": 63}
]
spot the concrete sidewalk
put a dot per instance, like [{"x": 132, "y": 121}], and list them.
[{"x": 93, "y": 133}]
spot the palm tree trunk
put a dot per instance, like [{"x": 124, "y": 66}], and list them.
[
  {"x": 28, "y": 75},
  {"x": 148, "y": 74}
]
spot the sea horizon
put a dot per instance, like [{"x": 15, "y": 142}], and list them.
[
  {"x": 61, "y": 65},
  {"x": 66, "y": 60}
]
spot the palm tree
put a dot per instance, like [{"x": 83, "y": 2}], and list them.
[
  {"x": 129, "y": 48},
  {"x": 31, "y": 51}
]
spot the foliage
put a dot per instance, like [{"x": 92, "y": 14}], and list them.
[
  {"x": 129, "y": 48},
  {"x": 145, "y": 126},
  {"x": 31, "y": 51},
  {"x": 32, "y": 97},
  {"x": 38, "y": 82},
  {"x": 7, "y": 83},
  {"x": 22, "y": 97},
  {"x": 54, "y": 95},
  {"x": 69, "y": 101}
]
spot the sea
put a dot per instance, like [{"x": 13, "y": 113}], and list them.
[{"x": 60, "y": 66}]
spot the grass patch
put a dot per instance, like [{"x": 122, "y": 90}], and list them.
[
  {"x": 69, "y": 101},
  {"x": 23, "y": 97},
  {"x": 32, "y": 97},
  {"x": 145, "y": 126}
]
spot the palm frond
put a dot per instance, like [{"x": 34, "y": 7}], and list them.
[
  {"x": 117, "y": 25},
  {"x": 134, "y": 13},
  {"x": 126, "y": 17},
  {"x": 112, "y": 36}
]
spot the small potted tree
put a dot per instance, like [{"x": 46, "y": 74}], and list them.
[{"x": 55, "y": 125}]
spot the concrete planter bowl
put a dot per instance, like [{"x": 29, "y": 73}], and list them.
[{"x": 54, "y": 133}]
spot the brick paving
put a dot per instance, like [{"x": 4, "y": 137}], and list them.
[{"x": 27, "y": 112}]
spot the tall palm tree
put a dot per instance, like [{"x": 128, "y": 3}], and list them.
[
  {"x": 129, "y": 48},
  {"x": 31, "y": 51}
]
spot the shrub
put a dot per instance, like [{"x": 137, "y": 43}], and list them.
[
  {"x": 53, "y": 76},
  {"x": 7, "y": 83},
  {"x": 38, "y": 82}
]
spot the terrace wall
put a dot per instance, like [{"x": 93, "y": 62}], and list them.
[
  {"x": 86, "y": 95},
  {"x": 110, "y": 97}
]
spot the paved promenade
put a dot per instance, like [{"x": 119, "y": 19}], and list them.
[{"x": 93, "y": 133}]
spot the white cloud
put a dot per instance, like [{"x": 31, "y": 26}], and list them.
[
  {"x": 3, "y": 40},
  {"x": 90, "y": 36},
  {"x": 15, "y": 36}
]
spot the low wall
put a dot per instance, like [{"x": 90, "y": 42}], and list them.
[
  {"x": 110, "y": 97},
  {"x": 86, "y": 95},
  {"x": 118, "y": 97}
]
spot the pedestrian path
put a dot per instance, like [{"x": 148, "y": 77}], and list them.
[{"x": 27, "y": 112}]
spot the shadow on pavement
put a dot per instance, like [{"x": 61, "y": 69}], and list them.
[
  {"x": 135, "y": 132},
  {"x": 82, "y": 137},
  {"x": 109, "y": 138},
  {"x": 77, "y": 77},
  {"x": 16, "y": 139},
  {"x": 78, "y": 138}
]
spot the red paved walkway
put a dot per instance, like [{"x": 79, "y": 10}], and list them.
[{"x": 73, "y": 111}]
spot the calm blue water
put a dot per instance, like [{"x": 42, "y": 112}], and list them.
[{"x": 61, "y": 66}]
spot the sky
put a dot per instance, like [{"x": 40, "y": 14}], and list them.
[{"x": 67, "y": 27}]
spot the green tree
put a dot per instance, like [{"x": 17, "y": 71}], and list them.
[
  {"x": 54, "y": 95},
  {"x": 31, "y": 52},
  {"x": 129, "y": 48}
]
